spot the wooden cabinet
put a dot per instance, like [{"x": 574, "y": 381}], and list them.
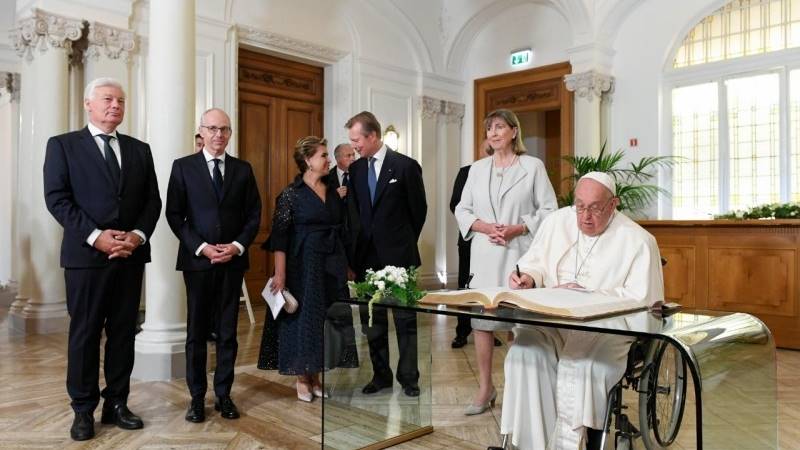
[{"x": 748, "y": 266}]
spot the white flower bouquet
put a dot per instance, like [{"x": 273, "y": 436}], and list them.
[{"x": 396, "y": 283}]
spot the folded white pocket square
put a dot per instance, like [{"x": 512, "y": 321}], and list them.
[{"x": 393, "y": 180}]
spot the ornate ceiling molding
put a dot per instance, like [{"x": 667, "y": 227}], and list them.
[
  {"x": 290, "y": 45},
  {"x": 43, "y": 30},
  {"x": 114, "y": 43},
  {"x": 589, "y": 84}
]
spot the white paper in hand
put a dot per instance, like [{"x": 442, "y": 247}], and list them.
[{"x": 274, "y": 301}]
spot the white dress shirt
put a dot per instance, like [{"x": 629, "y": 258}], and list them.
[
  {"x": 114, "y": 143},
  {"x": 210, "y": 163},
  {"x": 379, "y": 157},
  {"x": 340, "y": 173}
]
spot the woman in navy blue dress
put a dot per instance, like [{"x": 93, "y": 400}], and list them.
[{"x": 310, "y": 263}]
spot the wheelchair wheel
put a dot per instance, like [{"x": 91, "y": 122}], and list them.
[{"x": 663, "y": 398}]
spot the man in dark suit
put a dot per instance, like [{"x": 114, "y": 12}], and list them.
[
  {"x": 463, "y": 328},
  {"x": 214, "y": 209},
  {"x": 100, "y": 185},
  {"x": 339, "y": 180},
  {"x": 390, "y": 196}
]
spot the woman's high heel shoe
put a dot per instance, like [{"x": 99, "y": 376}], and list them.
[
  {"x": 319, "y": 392},
  {"x": 479, "y": 409},
  {"x": 305, "y": 397}
]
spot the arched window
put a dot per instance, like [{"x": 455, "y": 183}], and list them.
[{"x": 734, "y": 104}]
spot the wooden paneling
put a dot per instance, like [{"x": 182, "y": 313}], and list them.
[
  {"x": 680, "y": 274},
  {"x": 539, "y": 89},
  {"x": 280, "y": 101},
  {"x": 745, "y": 266}
]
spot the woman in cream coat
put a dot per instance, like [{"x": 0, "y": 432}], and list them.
[{"x": 505, "y": 198}]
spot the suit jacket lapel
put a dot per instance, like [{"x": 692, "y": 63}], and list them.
[
  {"x": 202, "y": 166},
  {"x": 518, "y": 176},
  {"x": 359, "y": 183},
  {"x": 94, "y": 154},
  {"x": 230, "y": 171},
  {"x": 387, "y": 174},
  {"x": 126, "y": 155}
]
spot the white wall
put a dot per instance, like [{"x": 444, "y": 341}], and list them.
[
  {"x": 638, "y": 69},
  {"x": 536, "y": 26}
]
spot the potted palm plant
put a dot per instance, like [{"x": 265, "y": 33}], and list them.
[{"x": 634, "y": 182}]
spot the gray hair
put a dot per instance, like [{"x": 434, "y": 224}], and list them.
[
  {"x": 88, "y": 93},
  {"x": 338, "y": 149}
]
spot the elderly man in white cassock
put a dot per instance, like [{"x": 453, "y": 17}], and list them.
[{"x": 557, "y": 381}]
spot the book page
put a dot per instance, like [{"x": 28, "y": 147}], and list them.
[
  {"x": 464, "y": 297},
  {"x": 568, "y": 303}
]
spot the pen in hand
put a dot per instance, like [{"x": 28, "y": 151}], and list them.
[{"x": 519, "y": 275}]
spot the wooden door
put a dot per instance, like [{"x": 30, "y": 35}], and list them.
[
  {"x": 280, "y": 102},
  {"x": 540, "y": 89}
]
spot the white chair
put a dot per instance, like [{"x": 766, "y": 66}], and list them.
[{"x": 246, "y": 299}]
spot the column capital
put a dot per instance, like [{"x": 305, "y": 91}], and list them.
[
  {"x": 454, "y": 112},
  {"x": 114, "y": 43},
  {"x": 430, "y": 107},
  {"x": 10, "y": 84},
  {"x": 433, "y": 107},
  {"x": 43, "y": 30},
  {"x": 589, "y": 84}
]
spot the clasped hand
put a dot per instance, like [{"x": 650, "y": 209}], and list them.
[
  {"x": 220, "y": 253},
  {"x": 117, "y": 244},
  {"x": 501, "y": 234}
]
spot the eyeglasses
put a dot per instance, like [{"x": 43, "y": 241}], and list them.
[
  {"x": 225, "y": 131},
  {"x": 593, "y": 210}
]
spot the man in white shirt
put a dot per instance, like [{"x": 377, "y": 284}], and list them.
[
  {"x": 101, "y": 186},
  {"x": 557, "y": 381}
]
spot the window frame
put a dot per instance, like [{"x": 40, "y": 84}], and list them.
[{"x": 782, "y": 62}]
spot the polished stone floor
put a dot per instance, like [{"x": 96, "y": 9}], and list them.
[{"x": 35, "y": 414}]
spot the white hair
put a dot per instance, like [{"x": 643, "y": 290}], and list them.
[
  {"x": 88, "y": 93},
  {"x": 203, "y": 116}
]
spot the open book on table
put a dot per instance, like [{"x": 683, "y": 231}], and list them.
[{"x": 556, "y": 302}]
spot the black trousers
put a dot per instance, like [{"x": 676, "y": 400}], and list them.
[
  {"x": 97, "y": 299},
  {"x": 405, "y": 323},
  {"x": 464, "y": 326},
  {"x": 210, "y": 293}
]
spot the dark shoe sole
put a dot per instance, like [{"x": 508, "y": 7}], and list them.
[
  {"x": 226, "y": 415},
  {"x": 195, "y": 419},
  {"x": 81, "y": 438}
]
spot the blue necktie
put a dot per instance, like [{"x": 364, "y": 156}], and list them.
[
  {"x": 111, "y": 158},
  {"x": 217, "y": 178},
  {"x": 372, "y": 180}
]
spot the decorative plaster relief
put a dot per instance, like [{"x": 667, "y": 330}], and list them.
[
  {"x": 290, "y": 44},
  {"x": 43, "y": 30},
  {"x": 589, "y": 84},
  {"x": 115, "y": 43}
]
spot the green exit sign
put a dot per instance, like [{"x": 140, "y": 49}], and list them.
[{"x": 521, "y": 57}]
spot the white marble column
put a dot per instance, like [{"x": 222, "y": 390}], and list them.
[
  {"x": 108, "y": 54},
  {"x": 9, "y": 134},
  {"x": 589, "y": 87},
  {"x": 441, "y": 141},
  {"x": 170, "y": 109},
  {"x": 44, "y": 41}
]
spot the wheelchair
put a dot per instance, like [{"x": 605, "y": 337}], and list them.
[{"x": 657, "y": 372}]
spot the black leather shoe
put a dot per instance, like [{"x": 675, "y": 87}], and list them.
[
  {"x": 498, "y": 342},
  {"x": 119, "y": 415},
  {"x": 82, "y": 427},
  {"x": 226, "y": 408},
  {"x": 458, "y": 342},
  {"x": 212, "y": 337},
  {"x": 375, "y": 386},
  {"x": 197, "y": 410},
  {"x": 411, "y": 390}
]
